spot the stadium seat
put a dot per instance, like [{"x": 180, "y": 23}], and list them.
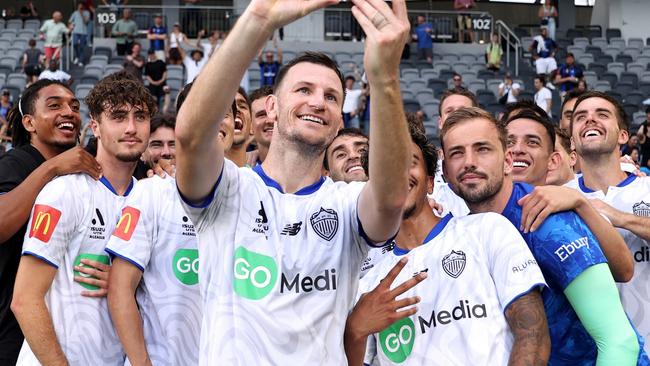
[
  {"x": 33, "y": 24},
  {"x": 643, "y": 59},
  {"x": 624, "y": 88},
  {"x": 411, "y": 105},
  {"x": 424, "y": 96},
  {"x": 644, "y": 87},
  {"x": 630, "y": 109},
  {"x": 606, "y": 59},
  {"x": 410, "y": 74},
  {"x": 431, "y": 110},
  {"x": 610, "y": 77},
  {"x": 94, "y": 68},
  {"x": 616, "y": 95},
  {"x": 629, "y": 77},
  {"x": 485, "y": 74},
  {"x": 82, "y": 90},
  {"x": 407, "y": 94},
  {"x": 485, "y": 97},
  {"x": 14, "y": 24},
  {"x": 600, "y": 42},
  {"x": 638, "y": 118},
  {"x": 585, "y": 59},
  {"x": 597, "y": 67},
  {"x": 438, "y": 86},
  {"x": 594, "y": 50},
  {"x": 617, "y": 42},
  {"x": 103, "y": 51},
  {"x": 467, "y": 58},
  {"x": 17, "y": 79},
  {"x": 452, "y": 58},
  {"x": 407, "y": 64},
  {"x": 573, "y": 33},
  {"x": 89, "y": 79},
  {"x": 602, "y": 86},
  {"x": 427, "y": 74},
  {"x": 635, "y": 97},
  {"x": 624, "y": 58},
  {"x": 3, "y": 79},
  {"x": 10, "y": 62},
  {"x": 417, "y": 85},
  {"x": 576, "y": 49},
  {"x": 495, "y": 109},
  {"x": 615, "y": 67},
  {"x": 612, "y": 33},
  {"x": 636, "y": 68},
  {"x": 109, "y": 69},
  {"x": 2, "y": 23},
  {"x": 582, "y": 42},
  {"x": 526, "y": 95},
  {"x": 422, "y": 65}
]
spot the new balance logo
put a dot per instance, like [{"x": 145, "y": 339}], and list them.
[{"x": 291, "y": 229}]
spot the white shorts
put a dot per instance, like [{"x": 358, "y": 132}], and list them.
[{"x": 545, "y": 65}]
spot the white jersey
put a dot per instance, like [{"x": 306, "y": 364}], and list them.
[
  {"x": 155, "y": 235},
  {"x": 476, "y": 266},
  {"x": 445, "y": 196},
  {"x": 279, "y": 272},
  {"x": 375, "y": 255},
  {"x": 72, "y": 219},
  {"x": 630, "y": 196}
]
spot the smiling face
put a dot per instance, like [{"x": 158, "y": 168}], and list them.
[
  {"x": 242, "y": 120},
  {"x": 56, "y": 120},
  {"x": 227, "y": 130},
  {"x": 419, "y": 184},
  {"x": 307, "y": 107},
  {"x": 450, "y": 104},
  {"x": 344, "y": 158},
  {"x": 262, "y": 124},
  {"x": 161, "y": 146},
  {"x": 595, "y": 128},
  {"x": 531, "y": 151},
  {"x": 122, "y": 131},
  {"x": 475, "y": 161}
]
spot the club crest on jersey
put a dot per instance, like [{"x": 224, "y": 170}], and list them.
[
  {"x": 126, "y": 225},
  {"x": 641, "y": 209},
  {"x": 325, "y": 223},
  {"x": 44, "y": 220},
  {"x": 454, "y": 263}
]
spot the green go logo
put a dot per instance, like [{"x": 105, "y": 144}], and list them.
[
  {"x": 254, "y": 274},
  {"x": 186, "y": 266},
  {"x": 397, "y": 340},
  {"x": 95, "y": 257}
]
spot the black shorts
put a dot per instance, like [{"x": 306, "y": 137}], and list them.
[
  {"x": 157, "y": 91},
  {"x": 32, "y": 70}
]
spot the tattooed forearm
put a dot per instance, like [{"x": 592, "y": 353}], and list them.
[{"x": 527, "y": 321}]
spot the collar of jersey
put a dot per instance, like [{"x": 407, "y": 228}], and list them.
[
  {"x": 581, "y": 182},
  {"x": 437, "y": 229},
  {"x": 271, "y": 183},
  {"x": 110, "y": 186}
]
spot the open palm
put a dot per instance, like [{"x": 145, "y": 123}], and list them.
[{"x": 278, "y": 13}]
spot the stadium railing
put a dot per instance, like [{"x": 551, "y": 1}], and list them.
[{"x": 511, "y": 41}]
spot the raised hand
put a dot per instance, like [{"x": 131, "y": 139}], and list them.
[
  {"x": 387, "y": 31},
  {"x": 277, "y": 13}
]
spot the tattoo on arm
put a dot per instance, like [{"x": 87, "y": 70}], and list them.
[{"x": 527, "y": 322}]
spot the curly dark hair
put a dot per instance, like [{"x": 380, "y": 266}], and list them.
[{"x": 117, "y": 90}]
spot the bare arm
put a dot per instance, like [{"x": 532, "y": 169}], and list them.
[
  {"x": 527, "y": 322},
  {"x": 638, "y": 225},
  {"x": 33, "y": 280},
  {"x": 123, "y": 282},
  {"x": 546, "y": 200},
  {"x": 21, "y": 199},
  {"x": 199, "y": 159},
  {"x": 382, "y": 199}
]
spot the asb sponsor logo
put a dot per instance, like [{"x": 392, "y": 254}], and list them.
[
  {"x": 566, "y": 250},
  {"x": 94, "y": 257},
  {"x": 255, "y": 274},
  {"x": 397, "y": 340},
  {"x": 186, "y": 266},
  {"x": 454, "y": 263},
  {"x": 325, "y": 223},
  {"x": 44, "y": 220},
  {"x": 126, "y": 224},
  {"x": 641, "y": 209}
]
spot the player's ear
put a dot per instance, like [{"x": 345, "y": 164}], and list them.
[
  {"x": 430, "y": 180},
  {"x": 623, "y": 136},
  {"x": 554, "y": 161},
  {"x": 94, "y": 124},
  {"x": 507, "y": 162},
  {"x": 271, "y": 106},
  {"x": 28, "y": 123}
]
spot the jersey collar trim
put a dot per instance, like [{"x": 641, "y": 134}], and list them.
[
  {"x": 630, "y": 178},
  {"x": 271, "y": 183},
  {"x": 437, "y": 229},
  {"x": 110, "y": 186}
]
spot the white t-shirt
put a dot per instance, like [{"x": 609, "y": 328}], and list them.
[
  {"x": 630, "y": 196},
  {"x": 476, "y": 266},
  {"x": 193, "y": 68},
  {"x": 72, "y": 218},
  {"x": 175, "y": 40},
  {"x": 541, "y": 98},
  {"x": 511, "y": 97},
  {"x": 351, "y": 103},
  {"x": 157, "y": 237},
  {"x": 279, "y": 272},
  {"x": 59, "y": 75}
]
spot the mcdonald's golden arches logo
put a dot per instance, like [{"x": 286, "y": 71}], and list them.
[
  {"x": 127, "y": 223},
  {"x": 44, "y": 220}
]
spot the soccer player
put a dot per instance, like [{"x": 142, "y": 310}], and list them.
[
  {"x": 587, "y": 323},
  {"x": 598, "y": 127},
  {"x": 261, "y": 125},
  {"x": 72, "y": 219},
  {"x": 155, "y": 306},
  {"x": 45, "y": 124},
  {"x": 343, "y": 156},
  {"x": 281, "y": 246},
  {"x": 242, "y": 137},
  {"x": 562, "y": 173},
  {"x": 481, "y": 301},
  {"x": 566, "y": 114},
  {"x": 161, "y": 143}
]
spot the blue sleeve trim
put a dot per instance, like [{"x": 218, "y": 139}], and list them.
[
  {"x": 539, "y": 285},
  {"x": 209, "y": 198},
  {"x": 41, "y": 258},
  {"x": 114, "y": 254},
  {"x": 365, "y": 237}
]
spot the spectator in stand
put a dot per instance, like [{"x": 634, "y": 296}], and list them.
[
  {"x": 155, "y": 71},
  {"x": 176, "y": 41},
  {"x": 134, "y": 62},
  {"x": 157, "y": 36},
  {"x": 458, "y": 82},
  {"x": 268, "y": 67},
  {"x": 212, "y": 43},
  {"x": 543, "y": 97},
  {"x": 28, "y": 11},
  {"x": 78, "y": 22},
  {"x": 508, "y": 90},
  {"x": 90, "y": 27},
  {"x": 5, "y": 104},
  {"x": 493, "y": 53},
  {"x": 351, "y": 103},
  {"x": 193, "y": 63},
  {"x": 644, "y": 139},
  {"x": 52, "y": 32},
  {"x": 422, "y": 34},
  {"x": 53, "y": 73},
  {"x": 632, "y": 143},
  {"x": 582, "y": 85},
  {"x": 125, "y": 31},
  {"x": 547, "y": 14},
  {"x": 464, "y": 21},
  {"x": 568, "y": 75},
  {"x": 543, "y": 50},
  {"x": 32, "y": 61}
]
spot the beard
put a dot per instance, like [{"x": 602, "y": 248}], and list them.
[
  {"x": 479, "y": 194},
  {"x": 65, "y": 145},
  {"x": 408, "y": 212},
  {"x": 128, "y": 157}
]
